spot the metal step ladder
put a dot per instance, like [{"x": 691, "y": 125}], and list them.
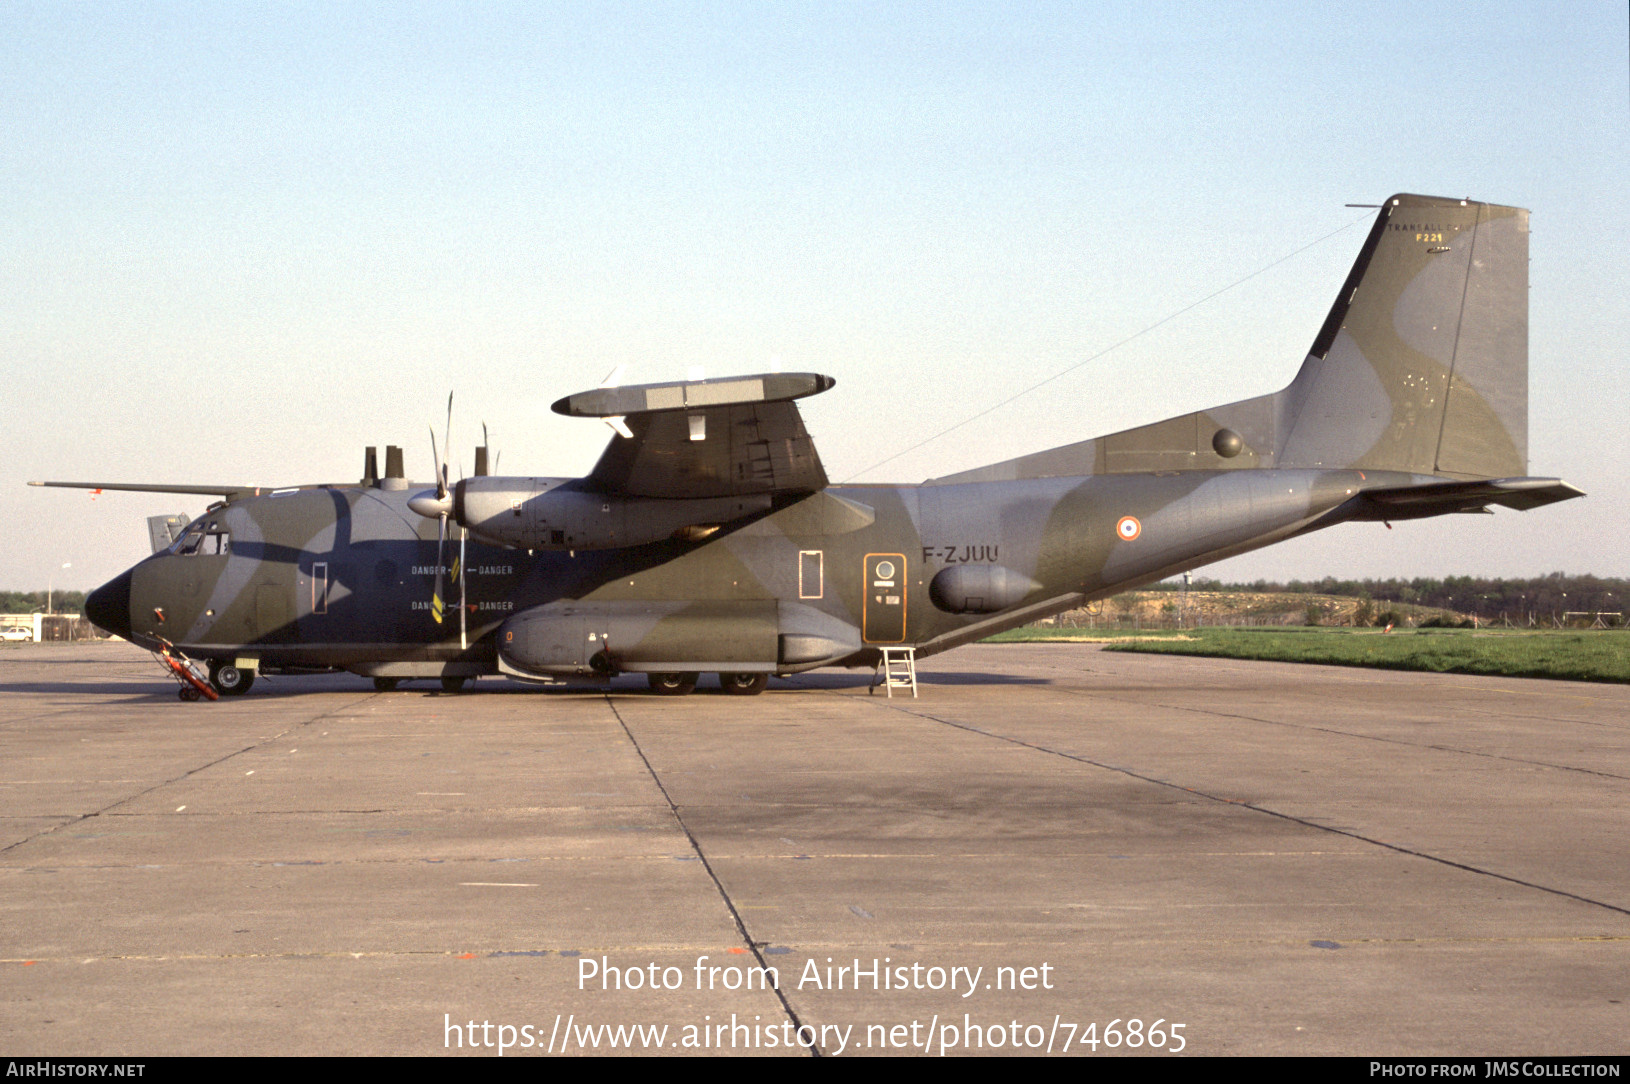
[{"x": 897, "y": 669}]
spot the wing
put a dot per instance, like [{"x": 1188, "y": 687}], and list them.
[
  {"x": 231, "y": 493},
  {"x": 706, "y": 438}
]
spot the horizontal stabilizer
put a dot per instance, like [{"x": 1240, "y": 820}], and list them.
[{"x": 1439, "y": 498}]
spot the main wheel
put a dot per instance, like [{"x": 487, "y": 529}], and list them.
[
  {"x": 386, "y": 685},
  {"x": 230, "y": 680},
  {"x": 453, "y": 684},
  {"x": 672, "y": 684},
  {"x": 743, "y": 684}
]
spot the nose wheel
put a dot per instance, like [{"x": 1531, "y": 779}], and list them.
[{"x": 230, "y": 680}]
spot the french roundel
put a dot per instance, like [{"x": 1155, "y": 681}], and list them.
[{"x": 1128, "y": 528}]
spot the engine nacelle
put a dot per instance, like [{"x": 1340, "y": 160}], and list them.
[{"x": 562, "y": 514}]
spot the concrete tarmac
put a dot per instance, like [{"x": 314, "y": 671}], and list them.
[{"x": 1050, "y": 843}]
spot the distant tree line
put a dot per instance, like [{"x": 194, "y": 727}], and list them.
[
  {"x": 1553, "y": 594},
  {"x": 26, "y": 602}
]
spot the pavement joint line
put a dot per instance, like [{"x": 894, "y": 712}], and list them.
[
  {"x": 80, "y": 818},
  {"x": 735, "y": 913},
  {"x": 817, "y": 856},
  {"x": 9, "y": 720},
  {"x": 1490, "y": 711},
  {"x": 807, "y": 948},
  {"x": 412, "y": 860},
  {"x": 1360, "y": 737},
  {"x": 1466, "y": 683},
  {"x": 1399, "y": 848},
  {"x": 1347, "y": 733},
  {"x": 350, "y": 954}
]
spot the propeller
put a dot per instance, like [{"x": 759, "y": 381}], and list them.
[{"x": 439, "y": 507}]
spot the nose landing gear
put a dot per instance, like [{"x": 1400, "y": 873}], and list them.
[{"x": 230, "y": 680}]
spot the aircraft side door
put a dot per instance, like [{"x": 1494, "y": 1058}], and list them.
[{"x": 883, "y": 609}]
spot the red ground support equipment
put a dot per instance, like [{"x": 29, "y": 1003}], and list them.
[{"x": 192, "y": 685}]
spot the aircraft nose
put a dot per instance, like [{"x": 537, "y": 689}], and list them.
[{"x": 108, "y": 606}]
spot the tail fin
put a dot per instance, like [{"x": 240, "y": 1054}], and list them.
[
  {"x": 1422, "y": 364},
  {"x": 1421, "y": 367}
]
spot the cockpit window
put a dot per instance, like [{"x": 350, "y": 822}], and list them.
[{"x": 203, "y": 536}]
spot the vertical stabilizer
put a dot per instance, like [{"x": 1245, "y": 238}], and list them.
[{"x": 1422, "y": 364}]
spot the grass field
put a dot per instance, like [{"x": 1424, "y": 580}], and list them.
[{"x": 1561, "y": 655}]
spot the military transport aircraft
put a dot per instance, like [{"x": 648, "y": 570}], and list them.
[{"x": 708, "y": 539}]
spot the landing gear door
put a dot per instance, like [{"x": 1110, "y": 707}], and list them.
[{"x": 883, "y": 613}]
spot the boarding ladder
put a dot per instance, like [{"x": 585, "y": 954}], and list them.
[{"x": 896, "y": 669}]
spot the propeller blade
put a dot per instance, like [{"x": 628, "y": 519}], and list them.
[
  {"x": 447, "y": 438},
  {"x": 437, "y": 606},
  {"x": 441, "y": 471}
]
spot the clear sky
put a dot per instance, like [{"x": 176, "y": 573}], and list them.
[{"x": 240, "y": 242}]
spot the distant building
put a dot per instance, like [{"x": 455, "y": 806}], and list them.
[{"x": 47, "y": 627}]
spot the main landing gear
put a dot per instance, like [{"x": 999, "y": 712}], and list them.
[
  {"x": 743, "y": 684},
  {"x": 730, "y": 684},
  {"x": 672, "y": 684}
]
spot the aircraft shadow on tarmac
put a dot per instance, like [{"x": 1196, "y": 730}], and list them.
[
  {"x": 820, "y": 680},
  {"x": 156, "y": 689}
]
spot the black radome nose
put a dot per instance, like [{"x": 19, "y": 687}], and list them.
[{"x": 108, "y": 606}]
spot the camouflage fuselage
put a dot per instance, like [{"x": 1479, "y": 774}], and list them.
[{"x": 343, "y": 576}]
